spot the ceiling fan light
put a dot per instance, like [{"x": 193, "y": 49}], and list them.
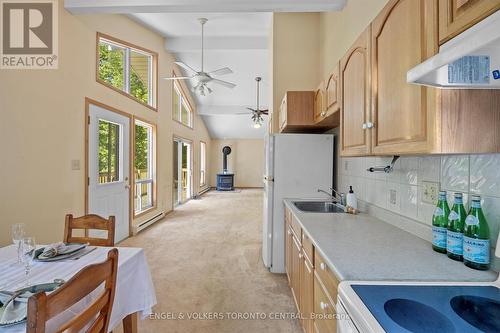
[{"x": 257, "y": 125}]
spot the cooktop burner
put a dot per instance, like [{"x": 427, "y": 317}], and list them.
[{"x": 428, "y": 309}]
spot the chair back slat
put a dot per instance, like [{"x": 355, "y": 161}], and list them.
[
  {"x": 88, "y": 223},
  {"x": 99, "y": 277}
]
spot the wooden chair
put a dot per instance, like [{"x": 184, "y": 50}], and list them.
[
  {"x": 90, "y": 222},
  {"x": 42, "y": 307}
]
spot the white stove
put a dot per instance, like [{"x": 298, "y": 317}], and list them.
[{"x": 419, "y": 307}]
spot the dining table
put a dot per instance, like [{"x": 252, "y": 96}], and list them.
[{"x": 134, "y": 295}]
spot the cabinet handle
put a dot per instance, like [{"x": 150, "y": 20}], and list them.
[
  {"x": 364, "y": 126},
  {"x": 323, "y": 113},
  {"x": 289, "y": 232},
  {"x": 369, "y": 125},
  {"x": 323, "y": 305},
  {"x": 300, "y": 255},
  {"x": 302, "y": 236},
  {"x": 322, "y": 266}
]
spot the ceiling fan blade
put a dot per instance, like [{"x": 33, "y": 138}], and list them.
[
  {"x": 186, "y": 67},
  {"x": 223, "y": 83},
  {"x": 178, "y": 78},
  {"x": 243, "y": 113},
  {"x": 266, "y": 111},
  {"x": 220, "y": 71}
]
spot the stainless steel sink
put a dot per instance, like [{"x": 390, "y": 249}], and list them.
[{"x": 318, "y": 207}]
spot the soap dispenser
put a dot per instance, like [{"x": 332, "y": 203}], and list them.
[{"x": 351, "y": 200}]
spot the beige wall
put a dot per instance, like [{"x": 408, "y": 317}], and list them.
[
  {"x": 295, "y": 53},
  {"x": 246, "y": 161},
  {"x": 42, "y": 127},
  {"x": 338, "y": 30}
]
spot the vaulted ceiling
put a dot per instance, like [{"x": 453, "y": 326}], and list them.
[
  {"x": 236, "y": 40},
  {"x": 236, "y": 36}
]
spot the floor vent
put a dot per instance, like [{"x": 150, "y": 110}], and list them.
[{"x": 147, "y": 223}]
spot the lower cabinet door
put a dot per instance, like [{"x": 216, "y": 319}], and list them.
[
  {"x": 324, "y": 310},
  {"x": 307, "y": 293}
]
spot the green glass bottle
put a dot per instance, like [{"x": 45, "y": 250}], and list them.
[
  {"x": 440, "y": 224},
  {"x": 476, "y": 237},
  {"x": 455, "y": 232}
]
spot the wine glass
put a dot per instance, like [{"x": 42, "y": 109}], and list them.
[
  {"x": 17, "y": 236},
  {"x": 28, "y": 248}
]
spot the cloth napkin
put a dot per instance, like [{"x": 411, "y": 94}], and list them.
[
  {"x": 55, "y": 249},
  {"x": 16, "y": 310}
]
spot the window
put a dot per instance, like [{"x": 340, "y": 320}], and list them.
[
  {"x": 129, "y": 69},
  {"x": 203, "y": 163},
  {"x": 181, "y": 111},
  {"x": 144, "y": 166},
  {"x": 109, "y": 154}
]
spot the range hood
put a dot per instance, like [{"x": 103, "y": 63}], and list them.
[{"x": 471, "y": 60}]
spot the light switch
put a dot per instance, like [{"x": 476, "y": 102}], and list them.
[{"x": 75, "y": 164}]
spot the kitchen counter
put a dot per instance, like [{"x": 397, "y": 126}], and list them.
[{"x": 363, "y": 248}]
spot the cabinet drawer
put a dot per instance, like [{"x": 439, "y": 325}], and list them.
[
  {"x": 324, "y": 311},
  {"x": 308, "y": 247},
  {"x": 326, "y": 276}
]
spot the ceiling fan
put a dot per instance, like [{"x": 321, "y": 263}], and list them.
[
  {"x": 257, "y": 112},
  {"x": 203, "y": 77}
]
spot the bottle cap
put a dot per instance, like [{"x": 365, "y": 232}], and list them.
[
  {"x": 475, "y": 197},
  {"x": 442, "y": 192},
  {"x": 350, "y": 189},
  {"x": 458, "y": 195}
]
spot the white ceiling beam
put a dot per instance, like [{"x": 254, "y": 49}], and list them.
[
  {"x": 214, "y": 6},
  {"x": 217, "y": 110},
  {"x": 193, "y": 43}
]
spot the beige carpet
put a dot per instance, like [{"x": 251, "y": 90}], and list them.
[{"x": 205, "y": 259}]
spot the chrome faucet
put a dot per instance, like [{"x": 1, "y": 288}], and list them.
[{"x": 335, "y": 195}]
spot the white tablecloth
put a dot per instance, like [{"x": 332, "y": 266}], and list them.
[{"x": 134, "y": 286}]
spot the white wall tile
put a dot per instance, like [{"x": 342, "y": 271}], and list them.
[
  {"x": 409, "y": 170},
  {"x": 491, "y": 210},
  {"x": 357, "y": 167},
  {"x": 455, "y": 173},
  {"x": 409, "y": 200},
  {"x": 485, "y": 174},
  {"x": 396, "y": 174},
  {"x": 429, "y": 169}
]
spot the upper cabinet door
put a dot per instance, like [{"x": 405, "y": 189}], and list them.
[
  {"x": 403, "y": 35},
  {"x": 319, "y": 105},
  {"x": 332, "y": 91},
  {"x": 455, "y": 16},
  {"x": 355, "y": 98}
]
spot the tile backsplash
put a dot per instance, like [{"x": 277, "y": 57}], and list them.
[{"x": 401, "y": 191}]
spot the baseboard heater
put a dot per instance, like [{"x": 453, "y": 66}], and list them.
[
  {"x": 204, "y": 190},
  {"x": 147, "y": 223}
]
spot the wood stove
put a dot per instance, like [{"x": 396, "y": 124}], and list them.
[{"x": 225, "y": 180}]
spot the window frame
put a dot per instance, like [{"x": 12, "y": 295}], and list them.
[
  {"x": 203, "y": 164},
  {"x": 183, "y": 100},
  {"x": 152, "y": 164},
  {"x": 152, "y": 85}
]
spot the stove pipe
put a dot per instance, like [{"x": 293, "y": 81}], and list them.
[{"x": 225, "y": 151}]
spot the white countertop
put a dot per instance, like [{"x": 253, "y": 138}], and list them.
[{"x": 363, "y": 248}]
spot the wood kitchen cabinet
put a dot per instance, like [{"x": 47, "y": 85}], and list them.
[
  {"x": 319, "y": 102},
  {"x": 313, "y": 283},
  {"x": 327, "y": 101},
  {"x": 355, "y": 74},
  {"x": 296, "y": 111},
  {"x": 403, "y": 115},
  {"x": 455, "y": 16}
]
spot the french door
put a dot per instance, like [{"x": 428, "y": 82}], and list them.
[
  {"x": 182, "y": 175},
  {"x": 109, "y": 167}
]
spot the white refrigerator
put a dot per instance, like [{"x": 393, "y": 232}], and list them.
[{"x": 297, "y": 165}]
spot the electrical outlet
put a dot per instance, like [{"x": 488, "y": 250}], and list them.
[
  {"x": 430, "y": 192},
  {"x": 392, "y": 197}
]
